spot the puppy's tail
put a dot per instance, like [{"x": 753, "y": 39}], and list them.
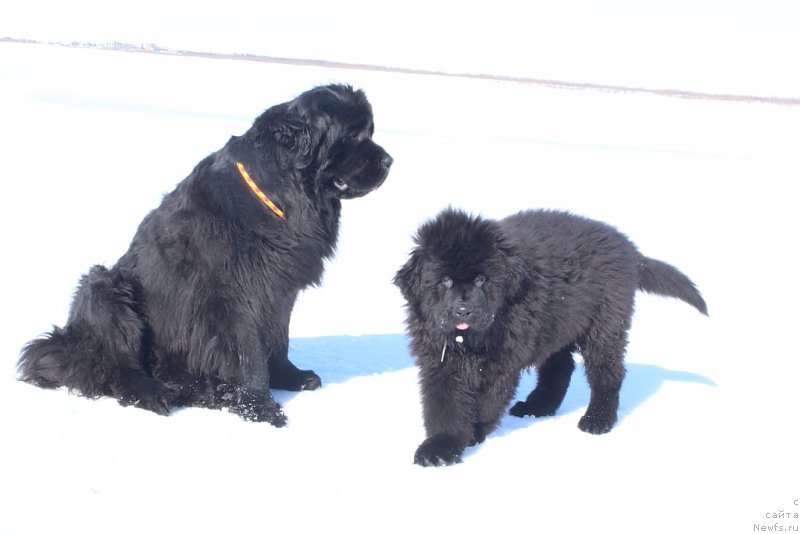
[
  {"x": 99, "y": 345},
  {"x": 663, "y": 279}
]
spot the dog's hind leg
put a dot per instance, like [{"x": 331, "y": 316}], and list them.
[
  {"x": 133, "y": 387},
  {"x": 554, "y": 377},
  {"x": 101, "y": 349},
  {"x": 249, "y": 404},
  {"x": 211, "y": 392}
]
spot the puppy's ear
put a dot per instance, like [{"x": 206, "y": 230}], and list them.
[{"x": 408, "y": 278}]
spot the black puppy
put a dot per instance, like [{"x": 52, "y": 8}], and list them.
[
  {"x": 197, "y": 310},
  {"x": 487, "y": 299}
]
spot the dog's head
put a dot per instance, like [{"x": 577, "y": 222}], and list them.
[
  {"x": 461, "y": 273},
  {"x": 327, "y": 133}
]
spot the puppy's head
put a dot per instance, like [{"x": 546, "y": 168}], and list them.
[
  {"x": 327, "y": 132},
  {"x": 461, "y": 273}
]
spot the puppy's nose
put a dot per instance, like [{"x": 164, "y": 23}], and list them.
[
  {"x": 463, "y": 310},
  {"x": 387, "y": 161}
]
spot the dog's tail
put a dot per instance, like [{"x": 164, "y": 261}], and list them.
[
  {"x": 64, "y": 357},
  {"x": 663, "y": 279},
  {"x": 99, "y": 351}
]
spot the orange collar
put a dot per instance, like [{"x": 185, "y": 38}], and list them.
[{"x": 258, "y": 192}]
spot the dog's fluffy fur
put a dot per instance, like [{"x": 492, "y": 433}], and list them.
[
  {"x": 487, "y": 299},
  {"x": 197, "y": 310}
]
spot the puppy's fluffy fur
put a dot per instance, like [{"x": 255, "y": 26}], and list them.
[{"x": 487, "y": 299}]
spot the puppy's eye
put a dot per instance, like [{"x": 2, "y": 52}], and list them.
[
  {"x": 479, "y": 280},
  {"x": 447, "y": 282}
]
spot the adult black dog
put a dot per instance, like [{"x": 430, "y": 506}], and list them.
[
  {"x": 487, "y": 299},
  {"x": 197, "y": 310}
]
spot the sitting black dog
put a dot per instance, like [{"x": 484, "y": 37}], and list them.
[
  {"x": 197, "y": 310},
  {"x": 487, "y": 299}
]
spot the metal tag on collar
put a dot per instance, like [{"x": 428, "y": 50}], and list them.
[{"x": 459, "y": 339}]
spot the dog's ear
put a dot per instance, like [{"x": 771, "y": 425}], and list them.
[
  {"x": 296, "y": 137},
  {"x": 409, "y": 278},
  {"x": 281, "y": 127},
  {"x": 289, "y": 132}
]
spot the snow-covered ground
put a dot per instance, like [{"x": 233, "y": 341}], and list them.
[{"x": 708, "y": 435}]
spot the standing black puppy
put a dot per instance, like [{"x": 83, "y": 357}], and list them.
[
  {"x": 197, "y": 310},
  {"x": 487, "y": 299}
]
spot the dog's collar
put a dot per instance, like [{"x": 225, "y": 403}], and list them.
[{"x": 274, "y": 208}]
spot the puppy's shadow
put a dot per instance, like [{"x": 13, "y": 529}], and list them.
[
  {"x": 642, "y": 381},
  {"x": 337, "y": 359}
]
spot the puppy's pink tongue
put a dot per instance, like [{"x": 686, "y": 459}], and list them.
[{"x": 462, "y": 326}]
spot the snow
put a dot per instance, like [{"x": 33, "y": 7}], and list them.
[{"x": 708, "y": 431}]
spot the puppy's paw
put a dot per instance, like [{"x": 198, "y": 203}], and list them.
[
  {"x": 480, "y": 433},
  {"x": 439, "y": 450},
  {"x": 520, "y": 409},
  {"x": 595, "y": 424},
  {"x": 523, "y": 408}
]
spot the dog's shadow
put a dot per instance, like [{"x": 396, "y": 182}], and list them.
[
  {"x": 339, "y": 358},
  {"x": 642, "y": 381}
]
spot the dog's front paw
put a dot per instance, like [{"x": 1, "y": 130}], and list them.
[
  {"x": 310, "y": 381},
  {"x": 294, "y": 380},
  {"x": 439, "y": 450}
]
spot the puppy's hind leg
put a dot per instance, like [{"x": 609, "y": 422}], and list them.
[
  {"x": 553, "y": 380},
  {"x": 605, "y": 370}
]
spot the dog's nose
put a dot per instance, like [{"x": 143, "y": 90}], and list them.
[{"x": 387, "y": 161}]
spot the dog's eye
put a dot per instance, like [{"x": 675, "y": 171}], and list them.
[
  {"x": 479, "y": 280},
  {"x": 447, "y": 281}
]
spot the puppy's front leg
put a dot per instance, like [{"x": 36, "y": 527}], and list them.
[{"x": 448, "y": 408}]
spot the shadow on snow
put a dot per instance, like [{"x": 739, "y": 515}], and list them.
[
  {"x": 339, "y": 358},
  {"x": 642, "y": 381}
]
